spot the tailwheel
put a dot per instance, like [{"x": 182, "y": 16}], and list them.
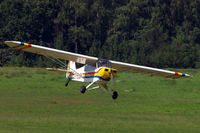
[
  {"x": 115, "y": 95},
  {"x": 83, "y": 89},
  {"x": 66, "y": 84}
]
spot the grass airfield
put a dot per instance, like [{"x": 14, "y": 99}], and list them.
[{"x": 33, "y": 100}]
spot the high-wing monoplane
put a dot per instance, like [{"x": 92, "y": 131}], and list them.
[{"x": 94, "y": 71}]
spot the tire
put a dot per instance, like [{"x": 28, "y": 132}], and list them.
[
  {"x": 115, "y": 95},
  {"x": 83, "y": 89},
  {"x": 66, "y": 84}
]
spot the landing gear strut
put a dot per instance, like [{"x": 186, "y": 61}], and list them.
[
  {"x": 84, "y": 88},
  {"x": 114, "y": 94}
]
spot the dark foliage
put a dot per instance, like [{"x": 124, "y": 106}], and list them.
[{"x": 147, "y": 32}]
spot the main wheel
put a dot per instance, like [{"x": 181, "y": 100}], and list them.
[
  {"x": 115, "y": 95},
  {"x": 83, "y": 89}
]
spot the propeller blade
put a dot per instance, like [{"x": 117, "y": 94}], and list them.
[{"x": 112, "y": 79}]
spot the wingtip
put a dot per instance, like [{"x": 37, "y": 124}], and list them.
[
  {"x": 7, "y": 42},
  {"x": 183, "y": 75},
  {"x": 189, "y": 76}
]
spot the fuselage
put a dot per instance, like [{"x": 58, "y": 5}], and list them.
[{"x": 91, "y": 74}]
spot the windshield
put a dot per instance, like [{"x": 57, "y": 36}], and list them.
[{"x": 103, "y": 63}]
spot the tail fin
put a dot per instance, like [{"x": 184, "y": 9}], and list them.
[
  {"x": 70, "y": 69},
  {"x": 71, "y": 66}
]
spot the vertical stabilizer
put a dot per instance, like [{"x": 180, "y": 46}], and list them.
[{"x": 71, "y": 66}]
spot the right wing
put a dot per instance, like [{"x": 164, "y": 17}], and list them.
[{"x": 50, "y": 52}]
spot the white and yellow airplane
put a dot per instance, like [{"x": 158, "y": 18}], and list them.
[{"x": 95, "y": 70}]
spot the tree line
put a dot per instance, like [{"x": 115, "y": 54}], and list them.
[{"x": 155, "y": 33}]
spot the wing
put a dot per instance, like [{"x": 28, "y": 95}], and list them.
[
  {"x": 50, "y": 52},
  {"x": 147, "y": 70},
  {"x": 83, "y": 59}
]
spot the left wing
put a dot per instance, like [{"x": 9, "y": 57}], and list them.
[
  {"x": 147, "y": 70},
  {"x": 84, "y": 59}
]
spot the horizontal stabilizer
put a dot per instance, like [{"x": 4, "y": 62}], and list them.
[{"x": 57, "y": 70}]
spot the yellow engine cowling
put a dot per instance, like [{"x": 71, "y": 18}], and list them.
[{"x": 105, "y": 73}]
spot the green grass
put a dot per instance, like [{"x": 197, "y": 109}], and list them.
[{"x": 33, "y": 100}]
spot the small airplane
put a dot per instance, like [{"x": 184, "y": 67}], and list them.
[{"x": 94, "y": 70}]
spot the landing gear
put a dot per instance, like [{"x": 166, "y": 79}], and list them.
[
  {"x": 66, "y": 84},
  {"x": 115, "y": 95},
  {"x": 83, "y": 89}
]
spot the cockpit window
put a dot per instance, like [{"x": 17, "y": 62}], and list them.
[{"x": 103, "y": 63}]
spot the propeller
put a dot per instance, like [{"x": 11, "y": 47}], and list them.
[{"x": 112, "y": 78}]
